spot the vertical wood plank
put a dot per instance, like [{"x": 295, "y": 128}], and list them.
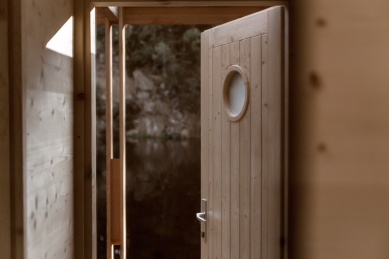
[
  {"x": 210, "y": 158},
  {"x": 256, "y": 116},
  {"x": 234, "y": 60},
  {"x": 226, "y": 167},
  {"x": 108, "y": 127},
  {"x": 264, "y": 148},
  {"x": 275, "y": 124},
  {"x": 122, "y": 131},
  {"x": 17, "y": 143},
  {"x": 80, "y": 115},
  {"x": 204, "y": 128},
  {"x": 90, "y": 102},
  {"x": 115, "y": 203},
  {"x": 216, "y": 136},
  {"x": 5, "y": 148},
  {"x": 245, "y": 157}
]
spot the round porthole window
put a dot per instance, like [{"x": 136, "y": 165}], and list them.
[{"x": 235, "y": 93}]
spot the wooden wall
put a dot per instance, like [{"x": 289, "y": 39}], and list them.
[
  {"x": 339, "y": 149},
  {"x": 5, "y": 190},
  {"x": 48, "y": 131}
]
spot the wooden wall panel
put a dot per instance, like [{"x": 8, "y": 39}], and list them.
[
  {"x": 339, "y": 149},
  {"x": 48, "y": 129},
  {"x": 5, "y": 180}
]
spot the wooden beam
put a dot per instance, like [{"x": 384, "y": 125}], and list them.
[
  {"x": 110, "y": 12},
  {"x": 108, "y": 130},
  {"x": 186, "y": 15},
  {"x": 17, "y": 134},
  {"x": 150, "y": 3},
  {"x": 5, "y": 144},
  {"x": 122, "y": 131},
  {"x": 84, "y": 132},
  {"x": 181, "y": 15},
  {"x": 114, "y": 205},
  {"x": 100, "y": 16}
]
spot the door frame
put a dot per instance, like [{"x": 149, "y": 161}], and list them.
[{"x": 85, "y": 231}]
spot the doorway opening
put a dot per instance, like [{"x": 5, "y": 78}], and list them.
[
  {"x": 162, "y": 138},
  {"x": 162, "y": 132}
]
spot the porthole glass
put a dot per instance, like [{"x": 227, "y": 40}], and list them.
[{"x": 235, "y": 92}]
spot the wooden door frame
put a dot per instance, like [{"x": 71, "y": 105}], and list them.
[{"x": 85, "y": 231}]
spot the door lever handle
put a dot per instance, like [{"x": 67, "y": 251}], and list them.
[{"x": 202, "y": 217}]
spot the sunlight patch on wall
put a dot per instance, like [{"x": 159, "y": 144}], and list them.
[{"x": 62, "y": 41}]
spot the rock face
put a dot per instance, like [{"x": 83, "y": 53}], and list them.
[
  {"x": 156, "y": 115},
  {"x": 159, "y": 116}
]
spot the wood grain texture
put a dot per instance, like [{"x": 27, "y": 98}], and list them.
[
  {"x": 84, "y": 131},
  {"x": 5, "y": 148},
  {"x": 246, "y": 154},
  {"x": 48, "y": 129},
  {"x": 264, "y": 164},
  {"x": 256, "y": 148},
  {"x": 226, "y": 167},
  {"x": 235, "y": 169},
  {"x": 275, "y": 129},
  {"x": 17, "y": 132},
  {"x": 111, "y": 13},
  {"x": 80, "y": 115},
  {"x": 244, "y": 160},
  {"x": 339, "y": 129},
  {"x": 122, "y": 132},
  {"x": 185, "y": 15},
  {"x": 243, "y": 28},
  {"x": 204, "y": 129},
  {"x": 216, "y": 150},
  {"x": 210, "y": 240},
  {"x": 153, "y": 3}
]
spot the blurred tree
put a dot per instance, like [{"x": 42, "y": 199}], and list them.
[{"x": 171, "y": 53}]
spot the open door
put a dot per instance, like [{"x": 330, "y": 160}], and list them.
[{"x": 243, "y": 118}]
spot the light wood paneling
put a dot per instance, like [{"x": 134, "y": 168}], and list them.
[
  {"x": 226, "y": 167},
  {"x": 339, "y": 148},
  {"x": 216, "y": 151},
  {"x": 246, "y": 155},
  {"x": 48, "y": 129},
  {"x": 244, "y": 160},
  {"x": 235, "y": 157},
  {"x": 5, "y": 148},
  {"x": 204, "y": 129},
  {"x": 264, "y": 157},
  {"x": 256, "y": 133},
  {"x": 275, "y": 129},
  {"x": 210, "y": 154},
  {"x": 243, "y": 28}
]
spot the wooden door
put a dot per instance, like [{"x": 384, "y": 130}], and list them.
[{"x": 242, "y": 167}]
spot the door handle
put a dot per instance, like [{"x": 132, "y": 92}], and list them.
[{"x": 202, "y": 217}]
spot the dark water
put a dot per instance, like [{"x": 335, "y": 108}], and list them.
[{"x": 163, "y": 195}]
